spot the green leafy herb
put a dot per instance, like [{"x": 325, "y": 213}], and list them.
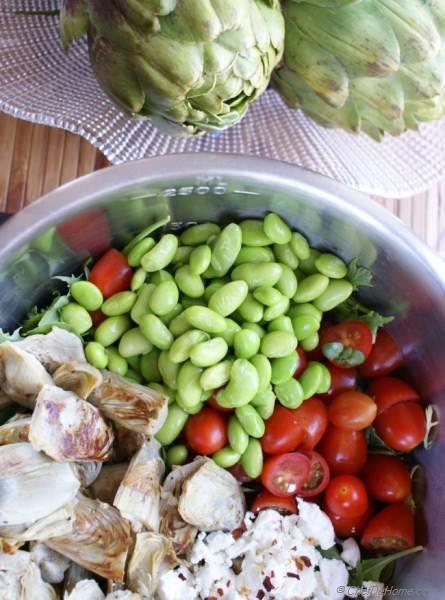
[
  {"x": 359, "y": 276},
  {"x": 42, "y": 321},
  {"x": 352, "y": 309},
  {"x": 330, "y": 553},
  {"x": 376, "y": 444},
  {"x": 68, "y": 280},
  {"x": 372, "y": 569},
  {"x": 10, "y": 337}
]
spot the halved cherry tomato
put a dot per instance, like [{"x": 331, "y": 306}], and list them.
[
  {"x": 284, "y": 474},
  {"x": 302, "y": 362},
  {"x": 206, "y": 432},
  {"x": 344, "y": 451},
  {"x": 318, "y": 478},
  {"x": 346, "y": 496},
  {"x": 385, "y": 356},
  {"x": 283, "y": 432},
  {"x": 97, "y": 316},
  {"x": 386, "y": 478},
  {"x": 267, "y": 500},
  {"x": 352, "y": 410},
  {"x": 240, "y": 474},
  {"x": 388, "y": 391},
  {"x": 390, "y": 530},
  {"x": 348, "y": 526},
  {"x": 342, "y": 380},
  {"x": 312, "y": 416},
  {"x": 89, "y": 231},
  {"x": 347, "y": 344},
  {"x": 402, "y": 426},
  {"x": 214, "y": 404},
  {"x": 111, "y": 273}
]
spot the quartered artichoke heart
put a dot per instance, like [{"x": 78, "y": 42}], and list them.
[
  {"x": 78, "y": 377},
  {"x": 108, "y": 482},
  {"x": 126, "y": 443},
  {"x": 52, "y": 565},
  {"x": 133, "y": 406},
  {"x": 15, "y": 430},
  {"x": 87, "y": 472},
  {"x": 68, "y": 428},
  {"x": 54, "y": 348},
  {"x": 100, "y": 539},
  {"x": 89, "y": 590},
  {"x": 189, "y": 65},
  {"x": 138, "y": 496},
  {"x": 21, "y": 374},
  {"x": 26, "y": 585}
]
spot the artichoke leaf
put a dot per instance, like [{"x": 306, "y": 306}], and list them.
[
  {"x": 384, "y": 96},
  {"x": 108, "y": 482},
  {"x": 33, "y": 587},
  {"x": 126, "y": 444},
  {"x": 55, "y": 348},
  {"x": 73, "y": 21},
  {"x": 78, "y": 377},
  {"x": 60, "y": 522},
  {"x": 15, "y": 430},
  {"x": 87, "y": 472}
]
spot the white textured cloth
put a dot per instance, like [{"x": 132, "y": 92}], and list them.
[{"x": 40, "y": 83}]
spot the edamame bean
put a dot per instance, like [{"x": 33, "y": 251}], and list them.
[
  {"x": 311, "y": 342},
  {"x": 238, "y": 438},
  {"x": 205, "y": 319},
  {"x": 164, "y": 298},
  {"x": 134, "y": 362},
  {"x": 226, "y": 457},
  {"x": 213, "y": 287},
  {"x": 182, "y": 255},
  {"x": 250, "y": 420},
  {"x": 307, "y": 265},
  {"x": 189, "y": 389},
  {"x": 229, "y": 297},
  {"x": 276, "y": 229},
  {"x": 284, "y": 255},
  {"x": 336, "y": 292},
  {"x": 331, "y": 266},
  {"x": 156, "y": 332},
  {"x": 290, "y": 393},
  {"x": 311, "y": 288},
  {"x": 199, "y": 234},
  {"x": 206, "y": 354},
  {"x": 229, "y": 333},
  {"x": 119, "y": 304},
  {"x": 133, "y": 376},
  {"x": 278, "y": 343},
  {"x": 116, "y": 364},
  {"x": 258, "y": 274},
  {"x": 179, "y": 325},
  {"x": 304, "y": 326},
  {"x": 96, "y": 355},
  {"x": 141, "y": 307},
  {"x": 277, "y": 310},
  {"x": 177, "y": 455},
  {"x": 300, "y": 246},
  {"x": 189, "y": 284},
  {"x": 246, "y": 343},
  {"x": 251, "y": 310},
  {"x": 226, "y": 248},
  {"x": 305, "y": 309},
  {"x": 138, "y": 279},
  {"x": 149, "y": 366},
  {"x": 161, "y": 255},
  {"x": 283, "y": 323},
  {"x": 111, "y": 330},
  {"x": 267, "y": 295},
  {"x": 288, "y": 283},
  {"x": 182, "y": 346},
  {"x": 174, "y": 424},
  {"x": 145, "y": 232},
  {"x": 187, "y": 301},
  {"x": 311, "y": 379},
  {"x": 216, "y": 376},
  {"x": 284, "y": 368},
  {"x": 265, "y": 403},
  {"x": 242, "y": 386},
  {"x": 200, "y": 259},
  {"x": 264, "y": 371},
  {"x": 251, "y": 255},
  {"x": 161, "y": 276},
  {"x": 166, "y": 391},
  {"x": 195, "y": 409},
  {"x": 252, "y": 459},
  {"x": 326, "y": 379},
  {"x": 133, "y": 343},
  {"x": 137, "y": 252},
  {"x": 253, "y": 233},
  {"x": 168, "y": 370},
  {"x": 168, "y": 318},
  {"x": 76, "y": 317},
  {"x": 87, "y": 295},
  {"x": 254, "y": 327}
]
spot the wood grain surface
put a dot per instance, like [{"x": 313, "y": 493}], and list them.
[{"x": 35, "y": 159}]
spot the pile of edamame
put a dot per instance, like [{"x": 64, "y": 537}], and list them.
[{"x": 217, "y": 311}]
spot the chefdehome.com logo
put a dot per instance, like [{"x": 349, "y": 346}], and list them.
[{"x": 377, "y": 591}]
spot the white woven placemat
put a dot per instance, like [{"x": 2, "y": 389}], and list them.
[{"x": 40, "y": 83}]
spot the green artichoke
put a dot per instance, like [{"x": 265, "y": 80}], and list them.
[
  {"x": 368, "y": 65},
  {"x": 190, "y": 66}
]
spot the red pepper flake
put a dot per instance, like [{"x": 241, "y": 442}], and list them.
[
  {"x": 306, "y": 560},
  {"x": 220, "y": 592},
  {"x": 237, "y": 533},
  {"x": 267, "y": 584},
  {"x": 274, "y": 542},
  {"x": 260, "y": 595},
  {"x": 211, "y": 598},
  {"x": 182, "y": 576},
  {"x": 272, "y": 573},
  {"x": 229, "y": 583},
  {"x": 294, "y": 575}
]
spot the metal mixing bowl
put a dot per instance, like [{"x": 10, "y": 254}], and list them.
[{"x": 409, "y": 279}]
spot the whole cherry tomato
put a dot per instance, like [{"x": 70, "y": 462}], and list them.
[
  {"x": 347, "y": 344},
  {"x": 285, "y": 474},
  {"x": 240, "y": 474},
  {"x": 352, "y": 410},
  {"x": 390, "y": 530},
  {"x": 97, "y": 316},
  {"x": 206, "y": 432},
  {"x": 112, "y": 273},
  {"x": 302, "y": 362},
  {"x": 312, "y": 417},
  {"x": 267, "y": 500},
  {"x": 89, "y": 231},
  {"x": 345, "y": 451},
  {"x": 385, "y": 356},
  {"x": 388, "y": 391},
  {"x": 342, "y": 380},
  {"x": 283, "y": 432},
  {"x": 348, "y": 526},
  {"x": 402, "y": 426},
  {"x": 346, "y": 496},
  {"x": 386, "y": 478},
  {"x": 214, "y": 404},
  {"x": 318, "y": 478}
]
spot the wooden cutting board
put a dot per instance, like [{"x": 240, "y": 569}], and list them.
[{"x": 35, "y": 159}]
